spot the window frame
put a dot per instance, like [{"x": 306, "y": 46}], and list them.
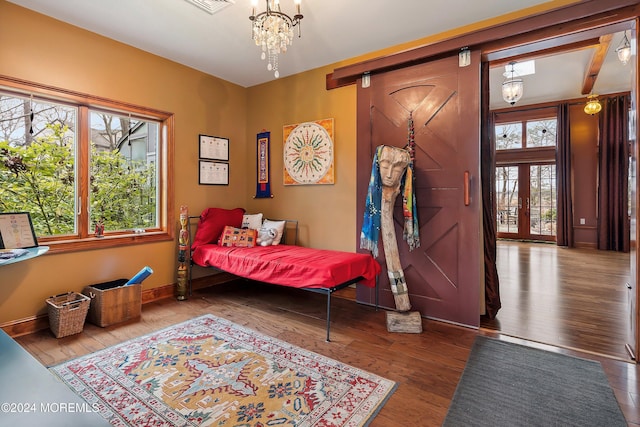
[
  {"x": 526, "y": 154},
  {"x": 84, "y": 238}
]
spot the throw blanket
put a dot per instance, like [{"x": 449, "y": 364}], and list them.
[{"x": 371, "y": 225}]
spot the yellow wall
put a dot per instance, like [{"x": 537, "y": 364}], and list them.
[
  {"x": 40, "y": 49},
  {"x": 326, "y": 213}
]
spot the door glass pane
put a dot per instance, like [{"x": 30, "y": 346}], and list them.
[
  {"x": 542, "y": 200},
  {"x": 507, "y": 199},
  {"x": 508, "y": 136},
  {"x": 541, "y": 133},
  {"x": 123, "y": 191}
]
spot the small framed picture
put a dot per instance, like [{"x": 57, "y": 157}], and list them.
[
  {"x": 213, "y": 173},
  {"x": 16, "y": 231},
  {"x": 214, "y": 148}
]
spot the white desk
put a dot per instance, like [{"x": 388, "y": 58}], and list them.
[
  {"x": 33, "y": 396},
  {"x": 33, "y": 252}
]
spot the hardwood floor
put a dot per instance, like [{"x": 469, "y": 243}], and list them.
[
  {"x": 426, "y": 366},
  {"x": 573, "y": 298}
]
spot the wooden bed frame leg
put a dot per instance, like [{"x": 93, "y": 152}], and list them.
[
  {"x": 377, "y": 291},
  {"x": 328, "y": 314}
]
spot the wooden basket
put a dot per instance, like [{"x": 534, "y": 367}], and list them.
[
  {"x": 67, "y": 313},
  {"x": 112, "y": 302}
]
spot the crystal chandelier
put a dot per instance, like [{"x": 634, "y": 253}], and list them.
[
  {"x": 273, "y": 30},
  {"x": 512, "y": 88}
]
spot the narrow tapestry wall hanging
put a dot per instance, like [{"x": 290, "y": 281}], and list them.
[
  {"x": 308, "y": 153},
  {"x": 263, "y": 185}
]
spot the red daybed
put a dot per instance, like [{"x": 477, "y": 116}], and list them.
[{"x": 317, "y": 270}]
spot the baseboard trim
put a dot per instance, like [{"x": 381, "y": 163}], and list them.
[
  {"x": 29, "y": 325},
  {"x": 585, "y": 245}
]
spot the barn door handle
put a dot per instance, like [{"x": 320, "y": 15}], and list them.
[{"x": 466, "y": 189}]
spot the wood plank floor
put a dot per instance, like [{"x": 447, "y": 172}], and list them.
[
  {"x": 574, "y": 298},
  {"x": 426, "y": 366}
]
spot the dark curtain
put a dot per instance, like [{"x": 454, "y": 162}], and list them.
[
  {"x": 613, "y": 167},
  {"x": 487, "y": 171},
  {"x": 564, "y": 220}
]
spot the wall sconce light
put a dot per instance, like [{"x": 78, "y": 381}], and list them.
[
  {"x": 366, "y": 80},
  {"x": 624, "y": 50},
  {"x": 593, "y": 105},
  {"x": 512, "y": 88}
]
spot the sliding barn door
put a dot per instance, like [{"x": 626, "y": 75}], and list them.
[{"x": 445, "y": 273}]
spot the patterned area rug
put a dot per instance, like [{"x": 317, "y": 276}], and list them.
[{"x": 211, "y": 372}]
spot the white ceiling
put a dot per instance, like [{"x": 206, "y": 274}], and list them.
[
  {"x": 561, "y": 76},
  {"x": 332, "y": 31}
]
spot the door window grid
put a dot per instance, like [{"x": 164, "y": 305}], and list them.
[{"x": 533, "y": 207}]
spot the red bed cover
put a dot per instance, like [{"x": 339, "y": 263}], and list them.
[{"x": 289, "y": 265}]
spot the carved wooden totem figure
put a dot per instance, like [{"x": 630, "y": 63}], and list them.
[
  {"x": 183, "y": 255},
  {"x": 393, "y": 163}
]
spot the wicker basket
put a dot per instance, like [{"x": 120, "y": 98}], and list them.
[{"x": 67, "y": 313}]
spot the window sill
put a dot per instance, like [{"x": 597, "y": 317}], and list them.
[{"x": 108, "y": 241}]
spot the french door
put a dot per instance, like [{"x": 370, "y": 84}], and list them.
[{"x": 526, "y": 201}]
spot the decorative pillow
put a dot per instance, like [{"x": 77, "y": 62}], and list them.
[
  {"x": 240, "y": 237},
  {"x": 266, "y": 236},
  {"x": 212, "y": 222},
  {"x": 253, "y": 221},
  {"x": 278, "y": 226}
]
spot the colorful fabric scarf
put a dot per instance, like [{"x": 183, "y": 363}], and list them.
[
  {"x": 371, "y": 224},
  {"x": 411, "y": 233},
  {"x": 372, "y": 211}
]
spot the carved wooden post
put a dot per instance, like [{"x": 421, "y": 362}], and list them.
[
  {"x": 393, "y": 162},
  {"x": 183, "y": 256}
]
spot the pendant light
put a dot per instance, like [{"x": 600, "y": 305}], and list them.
[
  {"x": 513, "y": 87},
  {"x": 593, "y": 105},
  {"x": 624, "y": 50}
]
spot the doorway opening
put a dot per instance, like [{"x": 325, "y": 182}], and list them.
[{"x": 538, "y": 282}]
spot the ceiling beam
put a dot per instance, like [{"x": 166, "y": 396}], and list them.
[
  {"x": 597, "y": 59},
  {"x": 591, "y": 43}
]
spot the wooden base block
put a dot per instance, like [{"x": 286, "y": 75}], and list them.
[{"x": 409, "y": 322}]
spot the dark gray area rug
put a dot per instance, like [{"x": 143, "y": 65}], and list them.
[{"x": 505, "y": 384}]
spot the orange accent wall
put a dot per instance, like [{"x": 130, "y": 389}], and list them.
[
  {"x": 43, "y": 50},
  {"x": 326, "y": 213}
]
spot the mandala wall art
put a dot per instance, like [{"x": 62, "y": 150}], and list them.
[{"x": 308, "y": 153}]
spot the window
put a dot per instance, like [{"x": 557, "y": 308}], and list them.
[
  {"x": 123, "y": 180},
  {"x": 75, "y": 161},
  {"x": 508, "y": 136},
  {"x": 538, "y": 133}
]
